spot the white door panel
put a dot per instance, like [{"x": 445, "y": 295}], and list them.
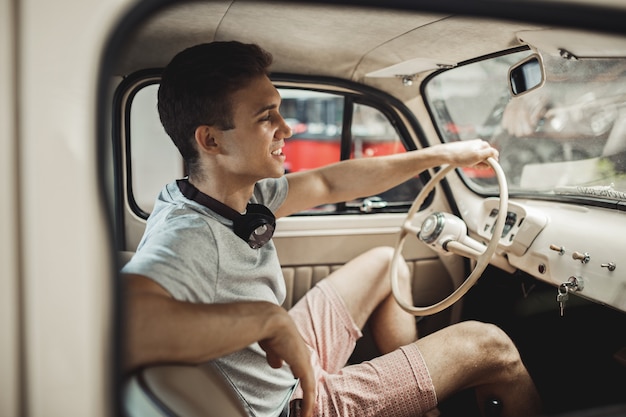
[{"x": 337, "y": 239}]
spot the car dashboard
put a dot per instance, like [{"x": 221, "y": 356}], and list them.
[{"x": 578, "y": 246}]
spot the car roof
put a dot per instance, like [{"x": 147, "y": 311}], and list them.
[{"x": 369, "y": 45}]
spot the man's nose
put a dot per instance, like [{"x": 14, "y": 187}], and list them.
[{"x": 285, "y": 129}]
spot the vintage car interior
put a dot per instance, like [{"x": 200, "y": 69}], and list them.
[{"x": 533, "y": 242}]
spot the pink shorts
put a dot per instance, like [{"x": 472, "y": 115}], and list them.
[{"x": 395, "y": 384}]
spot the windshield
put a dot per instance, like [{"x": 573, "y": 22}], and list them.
[{"x": 567, "y": 137}]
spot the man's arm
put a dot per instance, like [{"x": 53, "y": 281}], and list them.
[
  {"x": 159, "y": 328},
  {"x": 356, "y": 178}
]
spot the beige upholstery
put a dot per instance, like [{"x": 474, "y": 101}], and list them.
[
  {"x": 178, "y": 390},
  {"x": 300, "y": 279},
  {"x": 124, "y": 256}
]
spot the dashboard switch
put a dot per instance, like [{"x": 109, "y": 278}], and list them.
[
  {"x": 610, "y": 266},
  {"x": 582, "y": 257},
  {"x": 557, "y": 248}
]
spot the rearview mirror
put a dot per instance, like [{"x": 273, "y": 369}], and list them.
[{"x": 526, "y": 75}]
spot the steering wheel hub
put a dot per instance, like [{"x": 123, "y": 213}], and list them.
[{"x": 432, "y": 228}]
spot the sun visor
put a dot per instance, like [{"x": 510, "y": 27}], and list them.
[{"x": 410, "y": 68}]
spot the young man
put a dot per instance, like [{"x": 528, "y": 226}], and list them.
[{"x": 205, "y": 283}]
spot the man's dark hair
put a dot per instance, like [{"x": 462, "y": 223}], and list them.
[{"x": 196, "y": 89}]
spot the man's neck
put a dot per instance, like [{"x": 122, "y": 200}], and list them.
[{"x": 234, "y": 196}]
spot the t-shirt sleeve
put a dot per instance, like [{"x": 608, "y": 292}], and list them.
[
  {"x": 170, "y": 257},
  {"x": 271, "y": 192}
]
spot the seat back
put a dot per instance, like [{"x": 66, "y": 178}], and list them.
[{"x": 179, "y": 390}]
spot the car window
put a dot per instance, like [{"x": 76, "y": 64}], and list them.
[
  {"x": 318, "y": 121},
  {"x": 564, "y": 139},
  {"x": 154, "y": 160}
]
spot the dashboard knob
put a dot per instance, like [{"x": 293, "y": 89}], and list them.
[
  {"x": 610, "y": 266},
  {"x": 582, "y": 257},
  {"x": 557, "y": 248}
]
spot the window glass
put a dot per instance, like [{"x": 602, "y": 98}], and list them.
[
  {"x": 316, "y": 119},
  {"x": 154, "y": 159},
  {"x": 374, "y": 135},
  {"x": 565, "y": 138}
]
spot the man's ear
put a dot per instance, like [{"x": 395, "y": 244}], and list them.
[{"x": 205, "y": 139}]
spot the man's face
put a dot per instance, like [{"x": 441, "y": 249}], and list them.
[{"x": 253, "y": 149}]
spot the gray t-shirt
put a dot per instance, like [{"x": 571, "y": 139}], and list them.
[{"x": 194, "y": 254}]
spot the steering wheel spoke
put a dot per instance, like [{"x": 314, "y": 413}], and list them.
[
  {"x": 410, "y": 228},
  {"x": 459, "y": 248},
  {"x": 448, "y": 232}
]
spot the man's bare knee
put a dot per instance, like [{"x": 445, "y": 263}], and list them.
[
  {"x": 494, "y": 348},
  {"x": 384, "y": 257},
  {"x": 379, "y": 260},
  {"x": 363, "y": 283},
  {"x": 384, "y": 253},
  {"x": 500, "y": 372}
]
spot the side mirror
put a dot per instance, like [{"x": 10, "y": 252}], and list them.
[{"x": 526, "y": 75}]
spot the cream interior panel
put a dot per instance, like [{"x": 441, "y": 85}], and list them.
[
  {"x": 10, "y": 320},
  {"x": 595, "y": 233},
  {"x": 337, "y": 239}
]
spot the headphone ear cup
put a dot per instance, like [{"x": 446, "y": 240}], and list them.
[{"x": 256, "y": 226}]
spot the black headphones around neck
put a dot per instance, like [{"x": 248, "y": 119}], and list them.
[{"x": 256, "y": 226}]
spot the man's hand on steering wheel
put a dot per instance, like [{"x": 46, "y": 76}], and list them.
[{"x": 467, "y": 153}]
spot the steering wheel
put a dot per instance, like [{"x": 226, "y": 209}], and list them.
[{"x": 447, "y": 233}]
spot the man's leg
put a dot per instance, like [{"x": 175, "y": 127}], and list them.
[
  {"x": 393, "y": 385},
  {"x": 410, "y": 380},
  {"x": 365, "y": 287},
  {"x": 477, "y": 355},
  {"x": 461, "y": 356}
]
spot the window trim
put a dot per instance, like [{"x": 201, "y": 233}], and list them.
[{"x": 122, "y": 175}]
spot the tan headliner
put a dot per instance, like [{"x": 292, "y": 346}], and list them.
[
  {"x": 336, "y": 41},
  {"x": 308, "y": 39}
]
